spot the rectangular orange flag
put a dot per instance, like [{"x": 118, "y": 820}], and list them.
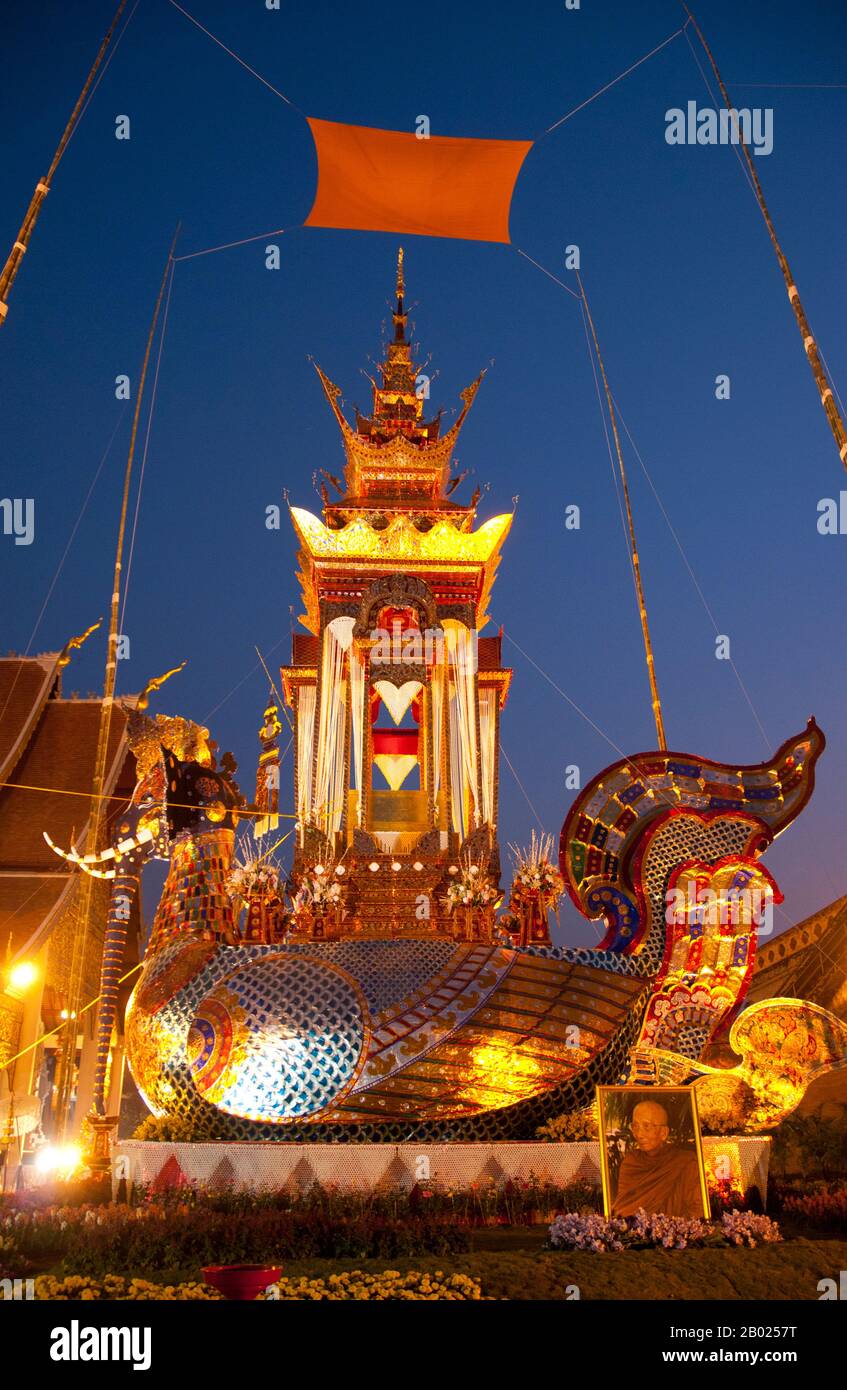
[{"x": 392, "y": 181}]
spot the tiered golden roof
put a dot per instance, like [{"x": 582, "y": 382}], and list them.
[{"x": 397, "y": 511}]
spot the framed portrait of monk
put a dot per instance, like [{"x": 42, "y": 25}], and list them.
[{"x": 651, "y": 1151}]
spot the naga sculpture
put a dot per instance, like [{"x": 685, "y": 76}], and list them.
[{"x": 431, "y": 1038}]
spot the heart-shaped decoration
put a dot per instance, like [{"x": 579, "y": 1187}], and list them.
[{"x": 397, "y": 699}]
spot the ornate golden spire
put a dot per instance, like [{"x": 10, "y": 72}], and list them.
[
  {"x": 396, "y": 455},
  {"x": 401, "y": 284},
  {"x": 397, "y": 402}
]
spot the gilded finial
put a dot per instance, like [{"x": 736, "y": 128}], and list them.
[
  {"x": 401, "y": 283},
  {"x": 65, "y": 654},
  {"x": 156, "y": 684}
]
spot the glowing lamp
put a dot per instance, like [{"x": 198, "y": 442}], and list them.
[
  {"x": 396, "y": 867},
  {"x": 61, "y": 1159},
  {"x": 374, "y": 867},
  {"x": 22, "y": 975},
  {"x": 417, "y": 866}
]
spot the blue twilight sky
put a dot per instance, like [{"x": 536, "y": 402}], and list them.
[{"x": 683, "y": 286}]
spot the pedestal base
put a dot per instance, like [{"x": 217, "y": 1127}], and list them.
[
  {"x": 266, "y": 1167},
  {"x": 103, "y": 1128}
]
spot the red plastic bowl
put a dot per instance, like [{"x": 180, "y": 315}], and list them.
[{"x": 240, "y": 1281}]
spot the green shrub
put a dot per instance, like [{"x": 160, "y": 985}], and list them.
[
  {"x": 173, "y": 1129},
  {"x": 811, "y": 1145}
]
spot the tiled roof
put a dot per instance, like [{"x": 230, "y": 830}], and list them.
[
  {"x": 60, "y": 757},
  {"x": 50, "y": 747},
  {"x": 25, "y": 684},
  {"x": 305, "y": 649}
]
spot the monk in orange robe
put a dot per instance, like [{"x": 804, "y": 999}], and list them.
[{"x": 656, "y": 1175}]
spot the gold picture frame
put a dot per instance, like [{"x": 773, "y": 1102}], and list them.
[{"x": 654, "y": 1157}]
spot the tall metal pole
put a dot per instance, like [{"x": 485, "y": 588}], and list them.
[
  {"x": 833, "y": 415},
  {"x": 636, "y": 565},
  {"x": 42, "y": 188},
  {"x": 97, "y": 815}
]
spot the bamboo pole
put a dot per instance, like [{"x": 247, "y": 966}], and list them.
[
  {"x": 636, "y": 565},
  {"x": 836, "y": 423},
  {"x": 96, "y": 816},
  {"x": 42, "y": 188}
]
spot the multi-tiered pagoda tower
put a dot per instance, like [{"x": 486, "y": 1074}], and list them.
[{"x": 397, "y": 697}]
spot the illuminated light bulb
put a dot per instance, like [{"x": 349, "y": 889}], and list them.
[
  {"x": 22, "y": 975},
  {"x": 340, "y": 869},
  {"x": 58, "y": 1158},
  {"x": 319, "y": 868},
  {"x": 417, "y": 866},
  {"x": 374, "y": 867},
  {"x": 473, "y": 869},
  {"x": 63, "y": 1014},
  {"x": 453, "y": 869},
  {"x": 396, "y": 867}
]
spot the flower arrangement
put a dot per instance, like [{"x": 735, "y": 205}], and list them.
[
  {"x": 472, "y": 885},
  {"x": 319, "y": 889},
  {"x": 591, "y": 1231},
  {"x": 252, "y": 874},
  {"x": 536, "y": 871},
  {"x": 537, "y": 887},
  {"x": 748, "y": 1228}
]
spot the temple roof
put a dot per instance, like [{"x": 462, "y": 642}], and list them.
[
  {"x": 25, "y": 685},
  {"x": 49, "y": 747}
]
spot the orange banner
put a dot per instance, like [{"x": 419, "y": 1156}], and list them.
[{"x": 391, "y": 181}]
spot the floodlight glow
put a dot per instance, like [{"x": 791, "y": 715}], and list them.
[{"x": 22, "y": 975}]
